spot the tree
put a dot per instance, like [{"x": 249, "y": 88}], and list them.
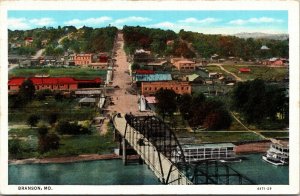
[
  {"x": 27, "y": 91},
  {"x": 58, "y": 96},
  {"x": 65, "y": 127},
  {"x": 42, "y": 94},
  {"x": 14, "y": 147},
  {"x": 47, "y": 141},
  {"x": 52, "y": 118},
  {"x": 184, "y": 105},
  {"x": 135, "y": 66},
  {"x": 258, "y": 101},
  {"x": 42, "y": 130},
  {"x": 166, "y": 101},
  {"x": 218, "y": 119},
  {"x": 33, "y": 120}
]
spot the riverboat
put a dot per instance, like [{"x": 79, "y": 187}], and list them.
[{"x": 278, "y": 154}]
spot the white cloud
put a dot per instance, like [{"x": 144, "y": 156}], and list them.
[
  {"x": 164, "y": 25},
  {"x": 17, "y": 24},
  {"x": 196, "y": 21},
  {"x": 131, "y": 19},
  {"x": 88, "y": 21},
  {"x": 42, "y": 21},
  {"x": 255, "y": 21}
]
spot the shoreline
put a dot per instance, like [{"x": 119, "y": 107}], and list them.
[{"x": 246, "y": 148}]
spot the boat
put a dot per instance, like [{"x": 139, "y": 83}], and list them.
[
  {"x": 278, "y": 154},
  {"x": 231, "y": 160}
]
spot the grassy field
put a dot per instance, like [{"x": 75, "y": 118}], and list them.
[
  {"x": 263, "y": 72},
  {"x": 67, "y": 109},
  {"x": 276, "y": 134},
  {"x": 207, "y": 137},
  {"x": 69, "y": 145},
  {"x": 76, "y": 72}
]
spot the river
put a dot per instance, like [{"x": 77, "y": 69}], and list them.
[{"x": 113, "y": 172}]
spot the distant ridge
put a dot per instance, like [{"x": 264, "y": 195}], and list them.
[{"x": 258, "y": 35}]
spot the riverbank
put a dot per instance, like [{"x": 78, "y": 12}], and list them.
[
  {"x": 256, "y": 147},
  {"x": 71, "y": 159}
]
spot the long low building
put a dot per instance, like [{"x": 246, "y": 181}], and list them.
[
  {"x": 54, "y": 83},
  {"x": 214, "y": 151},
  {"x": 180, "y": 87}
]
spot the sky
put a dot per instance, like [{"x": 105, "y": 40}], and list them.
[{"x": 208, "y": 21}]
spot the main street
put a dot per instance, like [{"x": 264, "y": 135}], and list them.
[{"x": 124, "y": 102}]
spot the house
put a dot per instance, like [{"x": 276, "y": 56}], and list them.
[
  {"x": 54, "y": 83},
  {"x": 275, "y": 62},
  {"x": 28, "y": 41},
  {"x": 244, "y": 70},
  {"x": 98, "y": 65},
  {"x": 87, "y": 101},
  {"x": 214, "y": 75},
  {"x": 184, "y": 65},
  {"x": 170, "y": 42},
  {"x": 180, "y": 87},
  {"x": 142, "y": 56},
  {"x": 195, "y": 79},
  {"x": 83, "y": 59},
  {"x": 147, "y": 103},
  {"x": 156, "y": 65}
]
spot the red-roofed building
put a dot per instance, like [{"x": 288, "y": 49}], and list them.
[
  {"x": 143, "y": 71},
  {"x": 61, "y": 83},
  {"x": 244, "y": 70},
  {"x": 103, "y": 57}
]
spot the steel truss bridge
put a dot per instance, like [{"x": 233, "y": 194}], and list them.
[{"x": 159, "y": 148}]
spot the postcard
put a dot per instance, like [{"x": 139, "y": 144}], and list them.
[{"x": 149, "y": 97}]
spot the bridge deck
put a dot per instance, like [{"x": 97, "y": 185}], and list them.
[{"x": 162, "y": 167}]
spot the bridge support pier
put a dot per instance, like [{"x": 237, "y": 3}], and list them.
[{"x": 124, "y": 156}]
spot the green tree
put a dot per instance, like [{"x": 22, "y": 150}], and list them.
[
  {"x": 135, "y": 66},
  {"x": 27, "y": 91},
  {"x": 184, "y": 103},
  {"x": 166, "y": 102},
  {"x": 218, "y": 119},
  {"x": 258, "y": 101},
  {"x": 14, "y": 148},
  {"x": 47, "y": 141},
  {"x": 33, "y": 120},
  {"x": 65, "y": 127},
  {"x": 52, "y": 118}
]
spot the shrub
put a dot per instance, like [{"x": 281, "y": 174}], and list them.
[
  {"x": 33, "y": 120},
  {"x": 65, "y": 127}
]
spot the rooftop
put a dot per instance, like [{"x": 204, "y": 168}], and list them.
[
  {"x": 212, "y": 145},
  {"x": 50, "y": 80},
  {"x": 153, "y": 77},
  {"x": 87, "y": 100}
]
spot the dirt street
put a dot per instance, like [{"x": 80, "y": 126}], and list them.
[{"x": 124, "y": 102}]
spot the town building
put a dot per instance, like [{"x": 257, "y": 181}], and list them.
[
  {"x": 83, "y": 59},
  {"x": 276, "y": 62},
  {"x": 153, "y": 77},
  {"x": 54, "y": 83},
  {"x": 195, "y": 79},
  {"x": 185, "y": 65},
  {"x": 180, "y": 87}
]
